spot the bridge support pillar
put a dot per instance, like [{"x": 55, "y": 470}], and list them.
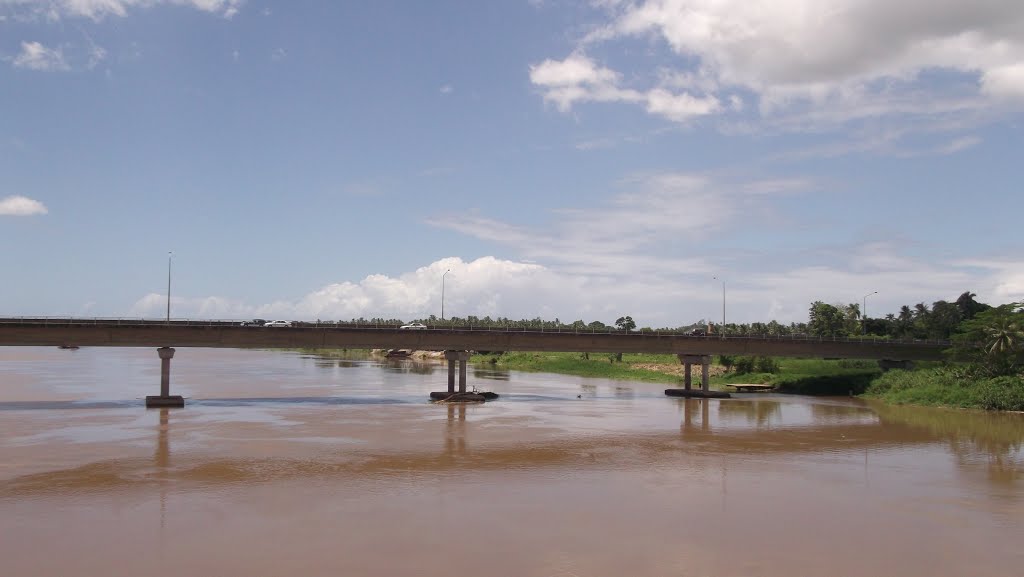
[
  {"x": 705, "y": 381},
  {"x": 688, "y": 362},
  {"x": 462, "y": 357},
  {"x": 165, "y": 398}
]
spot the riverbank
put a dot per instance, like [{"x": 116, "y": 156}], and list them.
[
  {"x": 935, "y": 386},
  {"x": 948, "y": 387},
  {"x": 928, "y": 386}
]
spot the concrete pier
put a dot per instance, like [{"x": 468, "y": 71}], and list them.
[
  {"x": 705, "y": 379},
  {"x": 462, "y": 357},
  {"x": 165, "y": 398},
  {"x": 457, "y": 358}
]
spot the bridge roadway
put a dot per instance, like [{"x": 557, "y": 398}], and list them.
[
  {"x": 456, "y": 342},
  {"x": 226, "y": 334}
]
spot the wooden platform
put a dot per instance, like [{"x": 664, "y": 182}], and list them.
[
  {"x": 697, "y": 393},
  {"x": 752, "y": 388}
]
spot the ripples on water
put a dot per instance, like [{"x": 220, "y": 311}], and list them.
[{"x": 289, "y": 463}]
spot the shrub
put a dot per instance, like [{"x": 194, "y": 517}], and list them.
[
  {"x": 1001, "y": 394},
  {"x": 766, "y": 365},
  {"x": 743, "y": 365},
  {"x": 726, "y": 361}
]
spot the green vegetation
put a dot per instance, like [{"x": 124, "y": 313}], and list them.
[
  {"x": 949, "y": 387},
  {"x": 803, "y": 376},
  {"x": 636, "y": 367}
]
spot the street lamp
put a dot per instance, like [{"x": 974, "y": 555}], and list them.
[
  {"x": 723, "y": 305},
  {"x": 169, "y": 253},
  {"x": 442, "y": 292},
  {"x": 864, "y": 313}
]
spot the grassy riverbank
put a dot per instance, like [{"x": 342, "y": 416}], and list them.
[
  {"x": 807, "y": 376},
  {"x": 949, "y": 387},
  {"x": 635, "y": 367}
]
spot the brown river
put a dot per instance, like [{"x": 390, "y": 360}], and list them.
[{"x": 285, "y": 464}]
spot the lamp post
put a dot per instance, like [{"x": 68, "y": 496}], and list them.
[
  {"x": 864, "y": 313},
  {"x": 169, "y": 253},
  {"x": 442, "y": 292},
  {"x": 723, "y": 305}
]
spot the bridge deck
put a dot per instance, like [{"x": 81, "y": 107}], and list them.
[{"x": 141, "y": 333}]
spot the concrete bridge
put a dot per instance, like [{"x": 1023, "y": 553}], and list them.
[{"x": 455, "y": 341}]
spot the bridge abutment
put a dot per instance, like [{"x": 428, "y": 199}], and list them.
[{"x": 165, "y": 398}]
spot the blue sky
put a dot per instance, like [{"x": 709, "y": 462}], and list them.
[{"x": 579, "y": 160}]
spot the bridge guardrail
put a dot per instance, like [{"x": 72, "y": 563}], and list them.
[{"x": 144, "y": 322}]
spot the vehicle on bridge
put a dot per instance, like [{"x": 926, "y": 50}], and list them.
[
  {"x": 414, "y": 326},
  {"x": 254, "y": 323},
  {"x": 278, "y": 324},
  {"x": 698, "y": 332}
]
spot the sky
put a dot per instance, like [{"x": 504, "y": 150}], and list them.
[{"x": 572, "y": 160}]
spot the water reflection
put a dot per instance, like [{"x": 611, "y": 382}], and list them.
[
  {"x": 455, "y": 431},
  {"x": 409, "y": 366},
  {"x": 491, "y": 372},
  {"x": 695, "y": 409},
  {"x": 162, "y": 459},
  {"x": 979, "y": 441},
  {"x": 760, "y": 412}
]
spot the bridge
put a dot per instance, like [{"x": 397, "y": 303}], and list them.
[{"x": 456, "y": 342}]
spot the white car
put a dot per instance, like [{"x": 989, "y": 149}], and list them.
[
  {"x": 278, "y": 324},
  {"x": 414, "y": 326}
]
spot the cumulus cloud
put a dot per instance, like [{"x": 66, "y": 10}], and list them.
[
  {"x": 21, "y": 206},
  {"x": 868, "y": 55},
  {"x": 486, "y": 286},
  {"x": 494, "y": 287},
  {"x": 35, "y": 56}
]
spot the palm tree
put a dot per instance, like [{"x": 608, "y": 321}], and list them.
[{"x": 1004, "y": 336}]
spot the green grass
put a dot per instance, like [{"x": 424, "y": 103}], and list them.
[{"x": 597, "y": 366}]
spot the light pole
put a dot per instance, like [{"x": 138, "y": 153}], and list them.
[
  {"x": 864, "y": 313},
  {"x": 169, "y": 253},
  {"x": 442, "y": 292},
  {"x": 723, "y": 305}
]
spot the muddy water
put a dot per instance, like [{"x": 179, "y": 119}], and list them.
[{"x": 285, "y": 464}]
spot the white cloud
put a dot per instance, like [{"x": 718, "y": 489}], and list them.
[
  {"x": 580, "y": 79},
  {"x": 1004, "y": 81},
  {"x": 635, "y": 228},
  {"x": 960, "y": 144},
  {"x": 853, "y": 58},
  {"x": 35, "y": 56},
  {"x": 21, "y": 206},
  {"x": 483, "y": 287},
  {"x": 446, "y": 89},
  {"x": 494, "y": 287}
]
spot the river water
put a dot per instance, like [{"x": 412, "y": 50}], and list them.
[{"x": 290, "y": 464}]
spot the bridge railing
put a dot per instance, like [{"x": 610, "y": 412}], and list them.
[{"x": 325, "y": 325}]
